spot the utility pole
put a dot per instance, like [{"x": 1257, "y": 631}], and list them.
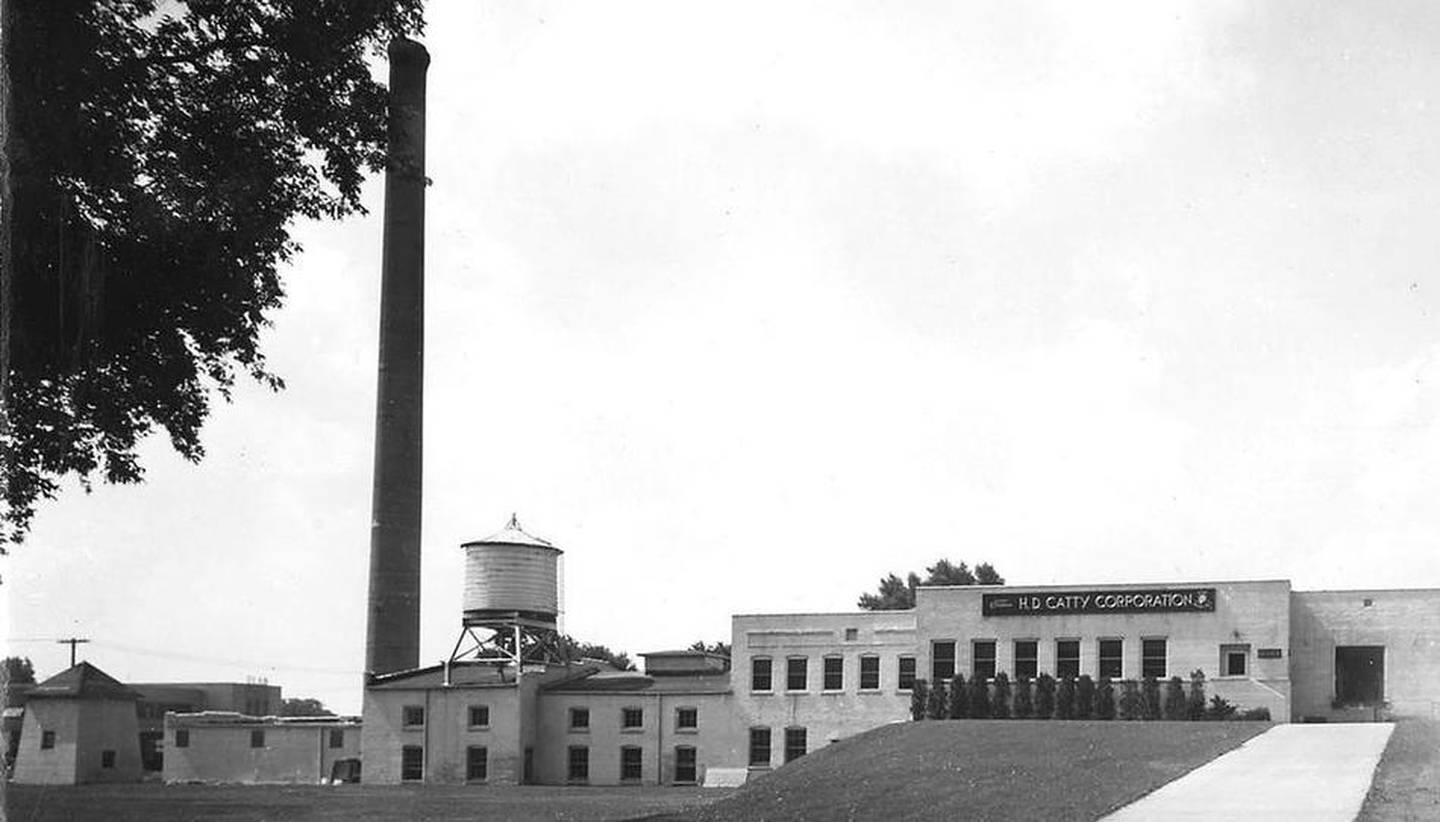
[{"x": 72, "y": 642}]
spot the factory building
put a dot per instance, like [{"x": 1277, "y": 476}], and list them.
[
  {"x": 79, "y": 726},
  {"x": 223, "y": 746},
  {"x": 801, "y": 681}
]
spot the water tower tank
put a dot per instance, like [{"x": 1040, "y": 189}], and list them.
[{"x": 511, "y": 574}]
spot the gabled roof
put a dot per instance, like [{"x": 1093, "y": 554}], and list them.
[{"x": 83, "y": 681}]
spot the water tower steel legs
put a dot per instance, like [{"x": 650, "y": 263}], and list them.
[{"x": 392, "y": 635}]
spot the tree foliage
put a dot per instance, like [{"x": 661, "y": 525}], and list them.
[
  {"x": 895, "y": 594},
  {"x": 156, "y": 156},
  {"x": 304, "y": 706},
  {"x": 590, "y": 650},
  {"x": 721, "y": 648},
  {"x": 959, "y": 698},
  {"x": 17, "y": 670},
  {"x": 919, "y": 699}
]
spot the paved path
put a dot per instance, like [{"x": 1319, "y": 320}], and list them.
[{"x": 1301, "y": 772}]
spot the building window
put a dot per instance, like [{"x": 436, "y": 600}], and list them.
[
  {"x": 794, "y": 743},
  {"x": 578, "y": 765},
  {"x": 1067, "y": 658},
  {"x": 1152, "y": 658},
  {"x": 632, "y": 719},
  {"x": 631, "y": 763},
  {"x": 834, "y": 673},
  {"x": 477, "y": 763},
  {"x": 1027, "y": 658},
  {"x": 942, "y": 661},
  {"x": 479, "y": 716},
  {"x": 47, "y": 740},
  {"x": 852, "y": 634},
  {"x": 257, "y": 738},
  {"x": 337, "y": 737},
  {"x": 869, "y": 673},
  {"x": 795, "y": 673},
  {"x": 687, "y": 719},
  {"x": 982, "y": 666},
  {"x": 907, "y": 673},
  {"x": 579, "y": 719},
  {"x": 1234, "y": 660},
  {"x": 760, "y": 747},
  {"x": 1112, "y": 658},
  {"x": 412, "y": 763},
  {"x": 413, "y": 716},
  {"x": 107, "y": 759},
  {"x": 760, "y": 674},
  {"x": 182, "y": 737},
  {"x": 684, "y": 764}
]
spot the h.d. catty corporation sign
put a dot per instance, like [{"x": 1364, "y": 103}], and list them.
[{"x": 1130, "y": 601}]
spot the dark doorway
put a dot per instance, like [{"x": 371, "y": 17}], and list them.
[
  {"x": 528, "y": 773},
  {"x": 1360, "y": 674}
]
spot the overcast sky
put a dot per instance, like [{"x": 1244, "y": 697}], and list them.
[{"x": 746, "y": 304}]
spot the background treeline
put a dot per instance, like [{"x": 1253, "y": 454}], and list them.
[{"x": 1046, "y": 697}]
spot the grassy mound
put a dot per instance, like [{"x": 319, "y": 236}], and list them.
[{"x": 981, "y": 770}]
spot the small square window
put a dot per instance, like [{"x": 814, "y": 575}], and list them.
[
  {"x": 632, "y": 718},
  {"x": 182, "y": 737},
  {"x": 413, "y": 716},
  {"x": 579, "y": 719},
  {"x": 47, "y": 740},
  {"x": 479, "y": 716},
  {"x": 852, "y": 634},
  {"x": 337, "y": 737},
  {"x": 257, "y": 738},
  {"x": 107, "y": 759},
  {"x": 632, "y": 763},
  {"x": 1234, "y": 660},
  {"x": 687, "y": 719}
]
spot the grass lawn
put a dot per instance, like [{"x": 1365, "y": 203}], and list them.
[
  {"x": 980, "y": 770},
  {"x": 353, "y": 803},
  {"x": 1407, "y": 782}
]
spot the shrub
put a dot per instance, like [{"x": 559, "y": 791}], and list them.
[
  {"x": 1132, "y": 706},
  {"x": 1084, "y": 697},
  {"x": 1150, "y": 694},
  {"x": 1255, "y": 715},
  {"x": 959, "y": 698},
  {"x": 1024, "y": 703},
  {"x": 1044, "y": 696},
  {"x": 1219, "y": 709},
  {"x": 1065, "y": 699},
  {"x": 919, "y": 698},
  {"x": 1195, "y": 702},
  {"x": 935, "y": 707},
  {"x": 1000, "y": 707},
  {"x": 1105, "y": 699},
  {"x": 1175, "y": 706},
  {"x": 979, "y": 699}
]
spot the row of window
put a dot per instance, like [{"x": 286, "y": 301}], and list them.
[
  {"x": 1110, "y": 656},
  {"x": 687, "y": 719},
  {"x": 632, "y": 764},
  {"x": 832, "y": 673},
  {"x": 257, "y": 738},
  {"x": 413, "y": 716},
  {"x": 412, "y": 763},
  {"x": 795, "y": 745}
]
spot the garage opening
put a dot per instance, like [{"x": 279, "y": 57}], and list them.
[{"x": 1360, "y": 674}]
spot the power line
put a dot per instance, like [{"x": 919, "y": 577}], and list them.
[{"x": 72, "y": 642}]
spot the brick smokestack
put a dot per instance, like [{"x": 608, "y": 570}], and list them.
[{"x": 392, "y": 631}]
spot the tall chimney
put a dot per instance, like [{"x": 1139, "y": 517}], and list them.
[{"x": 392, "y": 631}]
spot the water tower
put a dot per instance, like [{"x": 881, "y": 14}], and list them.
[{"x": 511, "y": 601}]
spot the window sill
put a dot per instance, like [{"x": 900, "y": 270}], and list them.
[
  {"x": 687, "y": 730},
  {"x": 478, "y": 728},
  {"x": 870, "y": 692},
  {"x": 833, "y": 692},
  {"x": 579, "y": 730},
  {"x": 632, "y": 730}
]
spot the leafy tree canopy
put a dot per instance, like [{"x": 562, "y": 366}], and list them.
[
  {"x": 721, "y": 648},
  {"x": 896, "y": 594},
  {"x": 304, "y": 706},
  {"x": 15, "y": 670},
  {"x": 154, "y": 158},
  {"x": 590, "y": 650}
]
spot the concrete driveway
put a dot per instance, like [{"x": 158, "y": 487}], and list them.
[{"x": 1302, "y": 772}]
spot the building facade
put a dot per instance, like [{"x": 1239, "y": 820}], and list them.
[{"x": 221, "y": 746}]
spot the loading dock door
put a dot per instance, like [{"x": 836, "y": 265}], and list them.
[{"x": 1360, "y": 674}]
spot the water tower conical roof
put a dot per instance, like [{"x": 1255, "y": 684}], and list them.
[{"x": 513, "y": 534}]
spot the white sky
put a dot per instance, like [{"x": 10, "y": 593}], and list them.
[{"x": 747, "y": 304}]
